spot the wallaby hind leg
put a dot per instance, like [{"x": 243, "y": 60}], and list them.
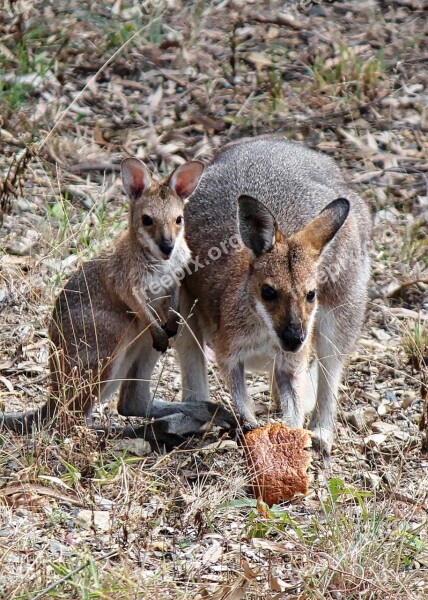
[
  {"x": 135, "y": 398},
  {"x": 173, "y": 420},
  {"x": 335, "y": 336},
  {"x": 189, "y": 345}
]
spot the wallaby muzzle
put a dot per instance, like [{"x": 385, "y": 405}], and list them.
[
  {"x": 166, "y": 247},
  {"x": 292, "y": 338}
]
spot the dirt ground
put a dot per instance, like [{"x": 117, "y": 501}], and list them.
[{"x": 82, "y": 84}]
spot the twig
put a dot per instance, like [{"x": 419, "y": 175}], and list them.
[
  {"x": 402, "y": 286},
  {"x": 55, "y": 584}
]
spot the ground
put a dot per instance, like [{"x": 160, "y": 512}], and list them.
[{"x": 83, "y": 84}]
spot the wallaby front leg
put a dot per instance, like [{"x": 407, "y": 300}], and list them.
[
  {"x": 150, "y": 320},
  {"x": 190, "y": 349},
  {"x": 235, "y": 378},
  {"x": 291, "y": 388}
]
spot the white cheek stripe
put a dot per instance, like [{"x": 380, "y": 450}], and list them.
[
  {"x": 310, "y": 324},
  {"x": 262, "y": 312}
]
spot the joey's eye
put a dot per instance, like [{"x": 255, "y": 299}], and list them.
[
  {"x": 179, "y": 220},
  {"x": 310, "y": 296},
  {"x": 268, "y": 292},
  {"x": 147, "y": 221}
]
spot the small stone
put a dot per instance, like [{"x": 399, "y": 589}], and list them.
[
  {"x": 136, "y": 446},
  {"x": 382, "y": 410},
  {"x": 380, "y": 334},
  {"x": 407, "y": 398},
  {"x": 391, "y": 397},
  {"x": 371, "y": 480},
  {"x": 361, "y": 417},
  {"x": 2, "y": 295},
  {"x": 381, "y": 427},
  {"x": 373, "y": 397},
  {"x": 317, "y": 11},
  {"x": 87, "y": 519},
  {"x": 375, "y": 440},
  {"x": 403, "y": 436}
]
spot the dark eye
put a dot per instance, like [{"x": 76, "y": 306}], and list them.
[
  {"x": 147, "y": 221},
  {"x": 310, "y": 296},
  {"x": 268, "y": 292},
  {"x": 179, "y": 220}
]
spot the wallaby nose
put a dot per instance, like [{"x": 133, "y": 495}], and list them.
[
  {"x": 166, "y": 247},
  {"x": 292, "y": 338}
]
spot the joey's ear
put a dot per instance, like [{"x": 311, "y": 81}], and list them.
[
  {"x": 185, "y": 179},
  {"x": 135, "y": 178},
  {"x": 256, "y": 225},
  {"x": 321, "y": 230}
]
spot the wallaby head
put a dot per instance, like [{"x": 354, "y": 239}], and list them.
[
  {"x": 283, "y": 271},
  {"x": 156, "y": 208}
]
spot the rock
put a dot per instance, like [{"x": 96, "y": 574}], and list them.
[
  {"x": 88, "y": 519},
  {"x": 373, "y": 397},
  {"x": 371, "y": 480},
  {"x": 375, "y": 440},
  {"x": 385, "y": 428},
  {"x": 382, "y": 410},
  {"x": 403, "y": 436},
  {"x": 136, "y": 446},
  {"x": 380, "y": 334},
  {"x": 317, "y": 11},
  {"x": 361, "y": 417}
]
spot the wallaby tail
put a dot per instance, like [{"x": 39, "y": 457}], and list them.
[{"x": 24, "y": 422}]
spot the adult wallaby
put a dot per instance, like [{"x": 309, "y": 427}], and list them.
[
  {"x": 115, "y": 314},
  {"x": 296, "y": 284}
]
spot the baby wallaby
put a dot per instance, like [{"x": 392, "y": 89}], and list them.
[
  {"x": 295, "y": 287},
  {"x": 115, "y": 314}
]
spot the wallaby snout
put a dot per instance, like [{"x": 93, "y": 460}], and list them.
[
  {"x": 166, "y": 246},
  {"x": 292, "y": 337}
]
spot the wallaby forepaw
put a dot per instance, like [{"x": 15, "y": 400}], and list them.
[
  {"x": 160, "y": 341},
  {"x": 170, "y": 330}
]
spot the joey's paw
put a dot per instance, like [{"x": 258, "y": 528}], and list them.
[
  {"x": 160, "y": 341},
  {"x": 322, "y": 442},
  {"x": 170, "y": 330}
]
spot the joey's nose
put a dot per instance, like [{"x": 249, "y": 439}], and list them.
[
  {"x": 292, "y": 339},
  {"x": 166, "y": 247}
]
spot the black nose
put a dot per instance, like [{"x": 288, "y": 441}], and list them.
[
  {"x": 166, "y": 247},
  {"x": 292, "y": 338}
]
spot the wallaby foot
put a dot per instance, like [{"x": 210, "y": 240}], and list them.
[{"x": 322, "y": 441}]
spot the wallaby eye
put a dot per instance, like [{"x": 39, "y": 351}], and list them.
[
  {"x": 268, "y": 292},
  {"x": 310, "y": 296},
  {"x": 147, "y": 221},
  {"x": 179, "y": 220}
]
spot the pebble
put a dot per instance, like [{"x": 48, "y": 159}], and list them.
[{"x": 87, "y": 519}]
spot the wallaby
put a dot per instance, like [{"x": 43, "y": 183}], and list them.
[
  {"x": 296, "y": 285},
  {"x": 116, "y": 313}
]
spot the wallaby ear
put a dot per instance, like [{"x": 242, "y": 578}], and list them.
[
  {"x": 256, "y": 225},
  {"x": 135, "y": 178},
  {"x": 185, "y": 179},
  {"x": 321, "y": 230}
]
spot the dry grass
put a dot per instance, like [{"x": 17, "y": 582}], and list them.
[{"x": 190, "y": 77}]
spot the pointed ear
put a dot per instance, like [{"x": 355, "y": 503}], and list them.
[
  {"x": 321, "y": 230},
  {"x": 135, "y": 178},
  {"x": 185, "y": 179},
  {"x": 256, "y": 225}
]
